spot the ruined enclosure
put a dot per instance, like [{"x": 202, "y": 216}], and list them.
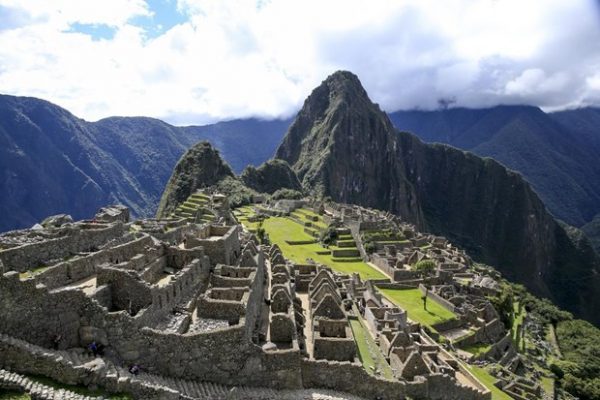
[{"x": 201, "y": 304}]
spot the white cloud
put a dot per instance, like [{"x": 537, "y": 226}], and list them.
[{"x": 240, "y": 58}]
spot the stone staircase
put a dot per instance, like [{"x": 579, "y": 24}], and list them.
[
  {"x": 36, "y": 390},
  {"x": 72, "y": 357}
]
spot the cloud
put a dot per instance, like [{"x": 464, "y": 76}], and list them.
[{"x": 239, "y": 58}]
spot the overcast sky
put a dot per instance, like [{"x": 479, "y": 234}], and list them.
[{"x": 199, "y": 61}]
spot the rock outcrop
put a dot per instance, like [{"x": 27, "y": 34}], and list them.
[
  {"x": 270, "y": 177},
  {"x": 342, "y": 145},
  {"x": 200, "y": 167}
]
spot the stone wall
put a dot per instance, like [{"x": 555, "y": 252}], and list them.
[
  {"x": 351, "y": 378},
  {"x": 78, "y": 268},
  {"x": 128, "y": 292},
  {"x": 76, "y": 240},
  {"x": 438, "y": 299},
  {"x": 45, "y": 315},
  {"x": 225, "y": 248}
]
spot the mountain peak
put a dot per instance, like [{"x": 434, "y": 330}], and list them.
[
  {"x": 337, "y": 114},
  {"x": 200, "y": 167},
  {"x": 344, "y": 83}
]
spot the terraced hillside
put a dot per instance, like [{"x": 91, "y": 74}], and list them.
[
  {"x": 195, "y": 207},
  {"x": 297, "y": 236}
]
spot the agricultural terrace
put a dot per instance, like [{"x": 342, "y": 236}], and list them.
[
  {"x": 283, "y": 230},
  {"x": 242, "y": 214},
  {"x": 298, "y": 246},
  {"x": 411, "y": 301},
  {"x": 488, "y": 380}
]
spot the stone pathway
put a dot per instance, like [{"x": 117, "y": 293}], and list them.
[
  {"x": 36, "y": 390},
  {"x": 307, "y": 323}
]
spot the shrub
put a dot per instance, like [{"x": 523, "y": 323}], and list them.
[
  {"x": 370, "y": 247},
  {"x": 426, "y": 266},
  {"x": 329, "y": 236},
  {"x": 287, "y": 194}
]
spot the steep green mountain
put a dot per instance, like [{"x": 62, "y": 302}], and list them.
[
  {"x": 342, "y": 145},
  {"x": 557, "y": 153},
  {"x": 53, "y": 162},
  {"x": 270, "y": 177},
  {"x": 200, "y": 167}
]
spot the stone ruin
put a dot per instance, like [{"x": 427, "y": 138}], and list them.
[{"x": 203, "y": 309}]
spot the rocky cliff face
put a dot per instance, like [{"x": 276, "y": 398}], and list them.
[
  {"x": 342, "y": 145},
  {"x": 270, "y": 177},
  {"x": 556, "y": 153},
  {"x": 200, "y": 167}
]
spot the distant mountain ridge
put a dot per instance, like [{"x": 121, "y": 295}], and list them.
[
  {"x": 557, "y": 153},
  {"x": 53, "y": 162},
  {"x": 342, "y": 145}
]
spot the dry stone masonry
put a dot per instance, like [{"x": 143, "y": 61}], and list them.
[{"x": 201, "y": 310}]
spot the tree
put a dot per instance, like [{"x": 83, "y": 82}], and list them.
[
  {"x": 425, "y": 266},
  {"x": 369, "y": 247},
  {"x": 424, "y": 298},
  {"x": 329, "y": 236},
  {"x": 260, "y": 232}
]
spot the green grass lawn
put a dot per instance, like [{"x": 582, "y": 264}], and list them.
[
  {"x": 547, "y": 384},
  {"x": 242, "y": 214},
  {"x": 488, "y": 380},
  {"x": 304, "y": 213},
  {"x": 281, "y": 229},
  {"x": 9, "y": 395},
  {"x": 478, "y": 348},
  {"x": 517, "y": 321},
  {"x": 410, "y": 300},
  {"x": 369, "y": 353}
]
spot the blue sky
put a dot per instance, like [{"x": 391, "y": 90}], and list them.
[
  {"x": 200, "y": 61},
  {"x": 163, "y": 15}
]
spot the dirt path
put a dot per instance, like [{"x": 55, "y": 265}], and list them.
[{"x": 307, "y": 323}]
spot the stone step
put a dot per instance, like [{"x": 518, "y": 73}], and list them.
[{"x": 37, "y": 390}]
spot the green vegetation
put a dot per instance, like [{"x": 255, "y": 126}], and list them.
[
  {"x": 280, "y": 230},
  {"x": 271, "y": 176},
  {"x": 368, "y": 351},
  {"x": 488, "y": 380},
  {"x": 304, "y": 214},
  {"x": 33, "y": 272},
  {"x": 10, "y": 395},
  {"x": 200, "y": 167},
  {"x": 243, "y": 214},
  {"x": 542, "y": 308},
  {"x": 370, "y": 247},
  {"x": 503, "y": 303},
  {"x": 411, "y": 301},
  {"x": 329, "y": 236},
  {"x": 425, "y": 266},
  {"x": 287, "y": 194},
  {"x": 235, "y": 190},
  {"x": 477, "y": 349},
  {"x": 579, "y": 372},
  {"x": 517, "y": 325}
]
